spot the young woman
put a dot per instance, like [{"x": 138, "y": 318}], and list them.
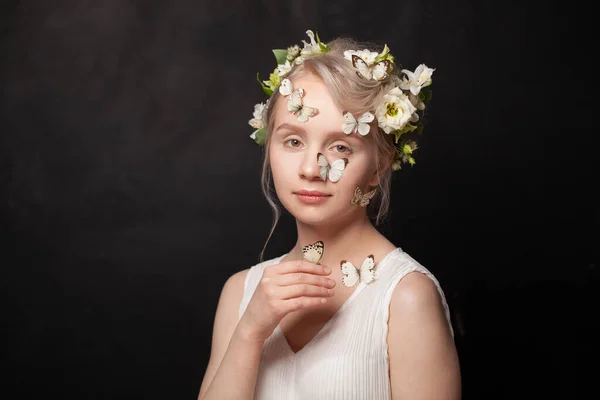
[{"x": 345, "y": 314}]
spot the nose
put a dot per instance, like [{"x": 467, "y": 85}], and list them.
[{"x": 309, "y": 169}]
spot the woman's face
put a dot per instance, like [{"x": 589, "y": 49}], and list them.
[{"x": 293, "y": 151}]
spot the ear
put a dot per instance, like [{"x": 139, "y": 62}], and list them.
[
  {"x": 384, "y": 164},
  {"x": 375, "y": 179}
]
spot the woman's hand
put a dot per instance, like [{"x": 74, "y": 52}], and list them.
[{"x": 284, "y": 287}]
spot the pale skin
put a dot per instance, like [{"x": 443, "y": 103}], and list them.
[{"x": 301, "y": 297}]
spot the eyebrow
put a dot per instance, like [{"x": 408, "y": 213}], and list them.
[
  {"x": 339, "y": 134},
  {"x": 290, "y": 127}
]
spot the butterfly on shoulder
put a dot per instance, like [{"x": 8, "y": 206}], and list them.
[
  {"x": 360, "y": 125},
  {"x": 313, "y": 252},
  {"x": 362, "y": 199},
  {"x": 378, "y": 71},
  {"x": 295, "y": 106},
  {"x": 333, "y": 170},
  {"x": 352, "y": 274}
]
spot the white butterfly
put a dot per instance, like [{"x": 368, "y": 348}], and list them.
[
  {"x": 361, "y": 125},
  {"x": 378, "y": 71},
  {"x": 295, "y": 105},
  {"x": 352, "y": 274},
  {"x": 362, "y": 199},
  {"x": 313, "y": 252},
  {"x": 333, "y": 170},
  {"x": 285, "y": 88}
]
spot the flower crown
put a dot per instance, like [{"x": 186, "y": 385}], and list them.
[{"x": 397, "y": 113}]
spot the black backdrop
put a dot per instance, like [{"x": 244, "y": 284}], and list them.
[{"x": 130, "y": 187}]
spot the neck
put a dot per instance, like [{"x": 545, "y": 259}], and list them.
[{"x": 341, "y": 240}]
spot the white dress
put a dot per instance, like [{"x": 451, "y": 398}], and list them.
[{"x": 348, "y": 358}]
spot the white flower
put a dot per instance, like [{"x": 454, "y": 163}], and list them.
[
  {"x": 284, "y": 68},
  {"x": 416, "y": 101},
  {"x": 257, "y": 121},
  {"x": 417, "y": 80},
  {"x": 368, "y": 56},
  {"x": 312, "y": 47},
  {"x": 395, "y": 111}
]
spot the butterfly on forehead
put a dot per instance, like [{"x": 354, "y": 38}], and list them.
[
  {"x": 352, "y": 274},
  {"x": 313, "y": 252},
  {"x": 333, "y": 170},
  {"x": 294, "y": 103},
  {"x": 378, "y": 71},
  {"x": 360, "y": 125}
]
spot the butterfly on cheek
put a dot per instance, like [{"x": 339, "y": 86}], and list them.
[
  {"x": 332, "y": 171},
  {"x": 378, "y": 71},
  {"x": 362, "y": 199},
  {"x": 313, "y": 252},
  {"x": 352, "y": 274}
]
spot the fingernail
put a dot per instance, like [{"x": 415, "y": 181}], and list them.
[{"x": 327, "y": 270}]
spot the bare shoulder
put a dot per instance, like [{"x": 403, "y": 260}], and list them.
[
  {"x": 231, "y": 296},
  {"x": 416, "y": 293},
  {"x": 225, "y": 322},
  {"x": 423, "y": 359},
  {"x": 235, "y": 283}
]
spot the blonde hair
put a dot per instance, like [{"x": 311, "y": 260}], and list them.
[{"x": 351, "y": 93}]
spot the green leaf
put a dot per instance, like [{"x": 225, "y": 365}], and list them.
[
  {"x": 268, "y": 91},
  {"x": 384, "y": 55},
  {"x": 260, "y": 136},
  {"x": 397, "y": 133},
  {"x": 323, "y": 47},
  {"x": 425, "y": 95},
  {"x": 419, "y": 129},
  {"x": 280, "y": 55}
]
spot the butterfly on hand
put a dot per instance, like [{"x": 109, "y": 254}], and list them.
[
  {"x": 294, "y": 104},
  {"x": 360, "y": 125},
  {"x": 378, "y": 71},
  {"x": 333, "y": 170},
  {"x": 364, "y": 274},
  {"x": 362, "y": 199},
  {"x": 313, "y": 252}
]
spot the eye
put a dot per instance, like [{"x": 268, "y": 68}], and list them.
[
  {"x": 340, "y": 148},
  {"x": 293, "y": 142}
]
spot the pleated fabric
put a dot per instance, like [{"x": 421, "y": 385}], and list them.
[{"x": 348, "y": 358}]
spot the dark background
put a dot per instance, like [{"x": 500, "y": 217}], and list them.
[{"x": 130, "y": 187}]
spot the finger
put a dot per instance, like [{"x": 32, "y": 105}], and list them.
[
  {"x": 297, "y": 278},
  {"x": 300, "y": 266},
  {"x": 299, "y": 303},
  {"x": 303, "y": 290}
]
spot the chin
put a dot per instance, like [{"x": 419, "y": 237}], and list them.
[{"x": 317, "y": 215}]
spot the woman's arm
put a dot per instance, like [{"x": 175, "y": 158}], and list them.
[
  {"x": 424, "y": 364},
  {"x": 232, "y": 368},
  {"x": 237, "y": 346}
]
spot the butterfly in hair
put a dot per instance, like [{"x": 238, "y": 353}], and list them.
[
  {"x": 352, "y": 274},
  {"x": 333, "y": 170},
  {"x": 313, "y": 252},
  {"x": 378, "y": 71}
]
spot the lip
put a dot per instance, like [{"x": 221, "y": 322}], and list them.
[{"x": 312, "y": 196}]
